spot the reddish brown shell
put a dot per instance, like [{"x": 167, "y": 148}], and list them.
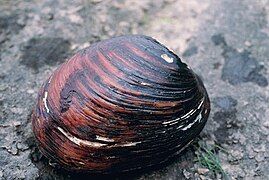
[{"x": 121, "y": 104}]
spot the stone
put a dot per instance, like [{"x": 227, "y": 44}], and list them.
[
  {"x": 186, "y": 174},
  {"x": 202, "y": 170}
]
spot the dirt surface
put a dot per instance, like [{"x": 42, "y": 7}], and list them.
[{"x": 225, "y": 42}]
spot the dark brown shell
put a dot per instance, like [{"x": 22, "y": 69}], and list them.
[{"x": 119, "y": 105}]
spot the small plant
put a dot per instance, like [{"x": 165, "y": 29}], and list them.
[{"x": 207, "y": 157}]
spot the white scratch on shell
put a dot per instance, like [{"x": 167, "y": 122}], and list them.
[
  {"x": 144, "y": 84},
  {"x": 167, "y": 58},
  {"x": 200, "y": 104},
  {"x": 45, "y": 101},
  {"x": 177, "y": 119},
  {"x": 198, "y": 118},
  {"x": 100, "y": 138},
  {"x": 79, "y": 141},
  {"x": 173, "y": 123},
  {"x": 169, "y": 122},
  {"x": 179, "y": 126},
  {"x": 111, "y": 157},
  {"x": 191, "y": 112},
  {"x": 50, "y": 79},
  {"x": 129, "y": 144}
]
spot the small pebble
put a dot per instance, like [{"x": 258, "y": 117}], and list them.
[
  {"x": 30, "y": 91},
  {"x": 16, "y": 110},
  {"x": 219, "y": 176},
  {"x": 16, "y": 123},
  {"x": 196, "y": 176},
  {"x": 202, "y": 170},
  {"x": 74, "y": 18},
  {"x": 13, "y": 150},
  {"x": 22, "y": 146},
  {"x": 3, "y": 87},
  {"x": 74, "y": 46},
  {"x": 240, "y": 50},
  {"x": 84, "y": 45},
  {"x": 186, "y": 174},
  {"x": 266, "y": 124},
  {"x": 235, "y": 156},
  {"x": 261, "y": 148},
  {"x": 49, "y": 16},
  {"x": 202, "y": 177},
  {"x": 247, "y": 43},
  {"x": 259, "y": 157}
]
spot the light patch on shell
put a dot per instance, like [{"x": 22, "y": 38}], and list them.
[
  {"x": 187, "y": 115},
  {"x": 191, "y": 112},
  {"x": 201, "y": 104},
  {"x": 79, "y": 141},
  {"x": 100, "y": 138},
  {"x": 38, "y": 121},
  {"x": 129, "y": 144},
  {"x": 50, "y": 79},
  {"x": 167, "y": 58},
  {"x": 45, "y": 102},
  {"x": 198, "y": 118},
  {"x": 173, "y": 123},
  {"x": 111, "y": 157},
  {"x": 145, "y": 84},
  {"x": 169, "y": 122},
  {"x": 179, "y": 126},
  {"x": 182, "y": 117}
]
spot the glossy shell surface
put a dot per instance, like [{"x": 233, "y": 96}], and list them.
[{"x": 121, "y": 104}]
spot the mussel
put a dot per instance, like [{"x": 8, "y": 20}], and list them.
[{"x": 119, "y": 105}]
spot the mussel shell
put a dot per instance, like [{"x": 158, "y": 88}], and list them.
[{"x": 121, "y": 104}]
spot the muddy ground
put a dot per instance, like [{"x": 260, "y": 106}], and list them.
[{"x": 225, "y": 42}]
